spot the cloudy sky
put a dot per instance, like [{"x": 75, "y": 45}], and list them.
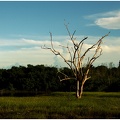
[{"x": 25, "y": 27}]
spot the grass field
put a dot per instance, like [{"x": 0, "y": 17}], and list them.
[{"x": 62, "y": 105}]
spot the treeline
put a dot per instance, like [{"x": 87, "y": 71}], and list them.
[{"x": 45, "y": 79}]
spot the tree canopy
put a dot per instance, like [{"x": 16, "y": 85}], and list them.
[{"x": 45, "y": 78}]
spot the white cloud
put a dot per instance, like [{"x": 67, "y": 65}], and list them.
[
  {"x": 109, "y": 23},
  {"x": 26, "y": 56},
  {"x": 107, "y": 20},
  {"x": 10, "y": 42},
  {"x": 41, "y": 42},
  {"x": 30, "y": 51},
  {"x": 104, "y": 14},
  {"x": 111, "y": 49}
]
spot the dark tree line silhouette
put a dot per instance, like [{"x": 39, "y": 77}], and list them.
[{"x": 45, "y": 79}]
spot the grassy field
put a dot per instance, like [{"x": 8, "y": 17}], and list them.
[{"x": 62, "y": 105}]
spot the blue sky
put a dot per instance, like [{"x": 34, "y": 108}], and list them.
[{"x": 25, "y": 27}]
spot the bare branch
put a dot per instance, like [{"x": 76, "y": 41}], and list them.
[
  {"x": 65, "y": 76},
  {"x": 71, "y": 36},
  {"x": 93, "y": 46},
  {"x": 66, "y": 79}
]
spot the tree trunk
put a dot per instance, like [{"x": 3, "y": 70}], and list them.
[{"x": 79, "y": 91}]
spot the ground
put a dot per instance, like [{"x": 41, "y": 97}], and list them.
[{"x": 62, "y": 105}]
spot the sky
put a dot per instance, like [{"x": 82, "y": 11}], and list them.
[{"x": 25, "y": 27}]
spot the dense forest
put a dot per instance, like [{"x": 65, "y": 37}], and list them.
[{"x": 45, "y": 79}]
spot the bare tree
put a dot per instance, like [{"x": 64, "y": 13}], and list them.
[{"x": 75, "y": 62}]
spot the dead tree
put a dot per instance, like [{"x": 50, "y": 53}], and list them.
[{"x": 75, "y": 62}]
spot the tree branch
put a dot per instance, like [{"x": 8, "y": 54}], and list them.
[{"x": 65, "y": 76}]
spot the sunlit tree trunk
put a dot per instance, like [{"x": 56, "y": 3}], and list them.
[{"x": 78, "y": 89}]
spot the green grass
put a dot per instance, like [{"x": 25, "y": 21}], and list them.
[{"x": 62, "y": 105}]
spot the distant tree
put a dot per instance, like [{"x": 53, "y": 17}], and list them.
[
  {"x": 75, "y": 62},
  {"x": 119, "y": 64}
]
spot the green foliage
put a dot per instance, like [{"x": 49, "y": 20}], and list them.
[
  {"x": 62, "y": 105},
  {"x": 45, "y": 79}
]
